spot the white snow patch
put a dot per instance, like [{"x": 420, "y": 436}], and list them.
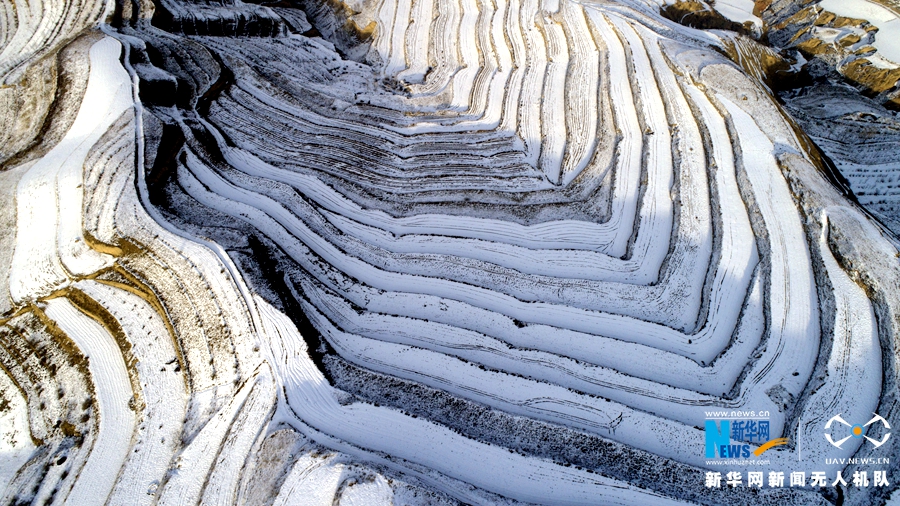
[
  {"x": 887, "y": 40},
  {"x": 113, "y": 390},
  {"x": 49, "y": 241},
  {"x": 16, "y": 446},
  {"x": 739, "y": 11},
  {"x": 369, "y": 493}
]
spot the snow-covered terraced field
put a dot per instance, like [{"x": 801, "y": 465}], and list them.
[
  {"x": 860, "y": 137},
  {"x": 413, "y": 252}
]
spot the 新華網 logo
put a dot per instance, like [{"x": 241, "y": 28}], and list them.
[{"x": 732, "y": 438}]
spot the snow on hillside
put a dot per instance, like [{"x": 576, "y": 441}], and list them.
[{"x": 404, "y": 252}]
